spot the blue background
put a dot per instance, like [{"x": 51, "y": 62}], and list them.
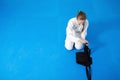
[{"x": 32, "y": 34}]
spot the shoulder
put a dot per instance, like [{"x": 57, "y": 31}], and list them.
[
  {"x": 86, "y": 22},
  {"x": 72, "y": 19}
]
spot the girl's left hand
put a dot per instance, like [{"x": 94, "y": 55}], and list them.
[{"x": 84, "y": 41}]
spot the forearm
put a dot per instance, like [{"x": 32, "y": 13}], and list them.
[{"x": 83, "y": 35}]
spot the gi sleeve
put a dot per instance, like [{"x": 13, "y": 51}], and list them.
[
  {"x": 70, "y": 31},
  {"x": 84, "y": 33}
]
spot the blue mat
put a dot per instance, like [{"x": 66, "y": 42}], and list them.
[{"x": 32, "y": 34}]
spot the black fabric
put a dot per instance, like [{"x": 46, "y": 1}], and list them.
[
  {"x": 88, "y": 72},
  {"x": 83, "y": 58}
]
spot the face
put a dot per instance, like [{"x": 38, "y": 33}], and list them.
[{"x": 80, "y": 21}]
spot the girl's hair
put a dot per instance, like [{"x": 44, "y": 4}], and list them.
[{"x": 82, "y": 15}]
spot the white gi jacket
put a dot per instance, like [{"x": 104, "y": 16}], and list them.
[{"x": 74, "y": 31}]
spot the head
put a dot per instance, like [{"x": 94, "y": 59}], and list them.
[{"x": 81, "y": 17}]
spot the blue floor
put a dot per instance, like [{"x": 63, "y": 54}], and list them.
[{"x": 32, "y": 34}]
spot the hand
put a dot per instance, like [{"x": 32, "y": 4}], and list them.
[{"x": 84, "y": 41}]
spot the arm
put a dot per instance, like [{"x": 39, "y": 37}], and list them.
[
  {"x": 70, "y": 31},
  {"x": 84, "y": 33}
]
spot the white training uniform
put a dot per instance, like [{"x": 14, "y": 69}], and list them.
[{"x": 74, "y": 33}]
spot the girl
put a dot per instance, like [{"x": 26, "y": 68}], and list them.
[{"x": 76, "y": 32}]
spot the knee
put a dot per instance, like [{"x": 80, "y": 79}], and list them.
[
  {"x": 78, "y": 47},
  {"x": 69, "y": 44},
  {"x": 68, "y": 47}
]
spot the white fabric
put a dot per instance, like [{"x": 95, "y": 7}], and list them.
[{"x": 74, "y": 33}]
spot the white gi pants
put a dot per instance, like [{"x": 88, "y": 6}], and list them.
[{"x": 69, "y": 43}]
